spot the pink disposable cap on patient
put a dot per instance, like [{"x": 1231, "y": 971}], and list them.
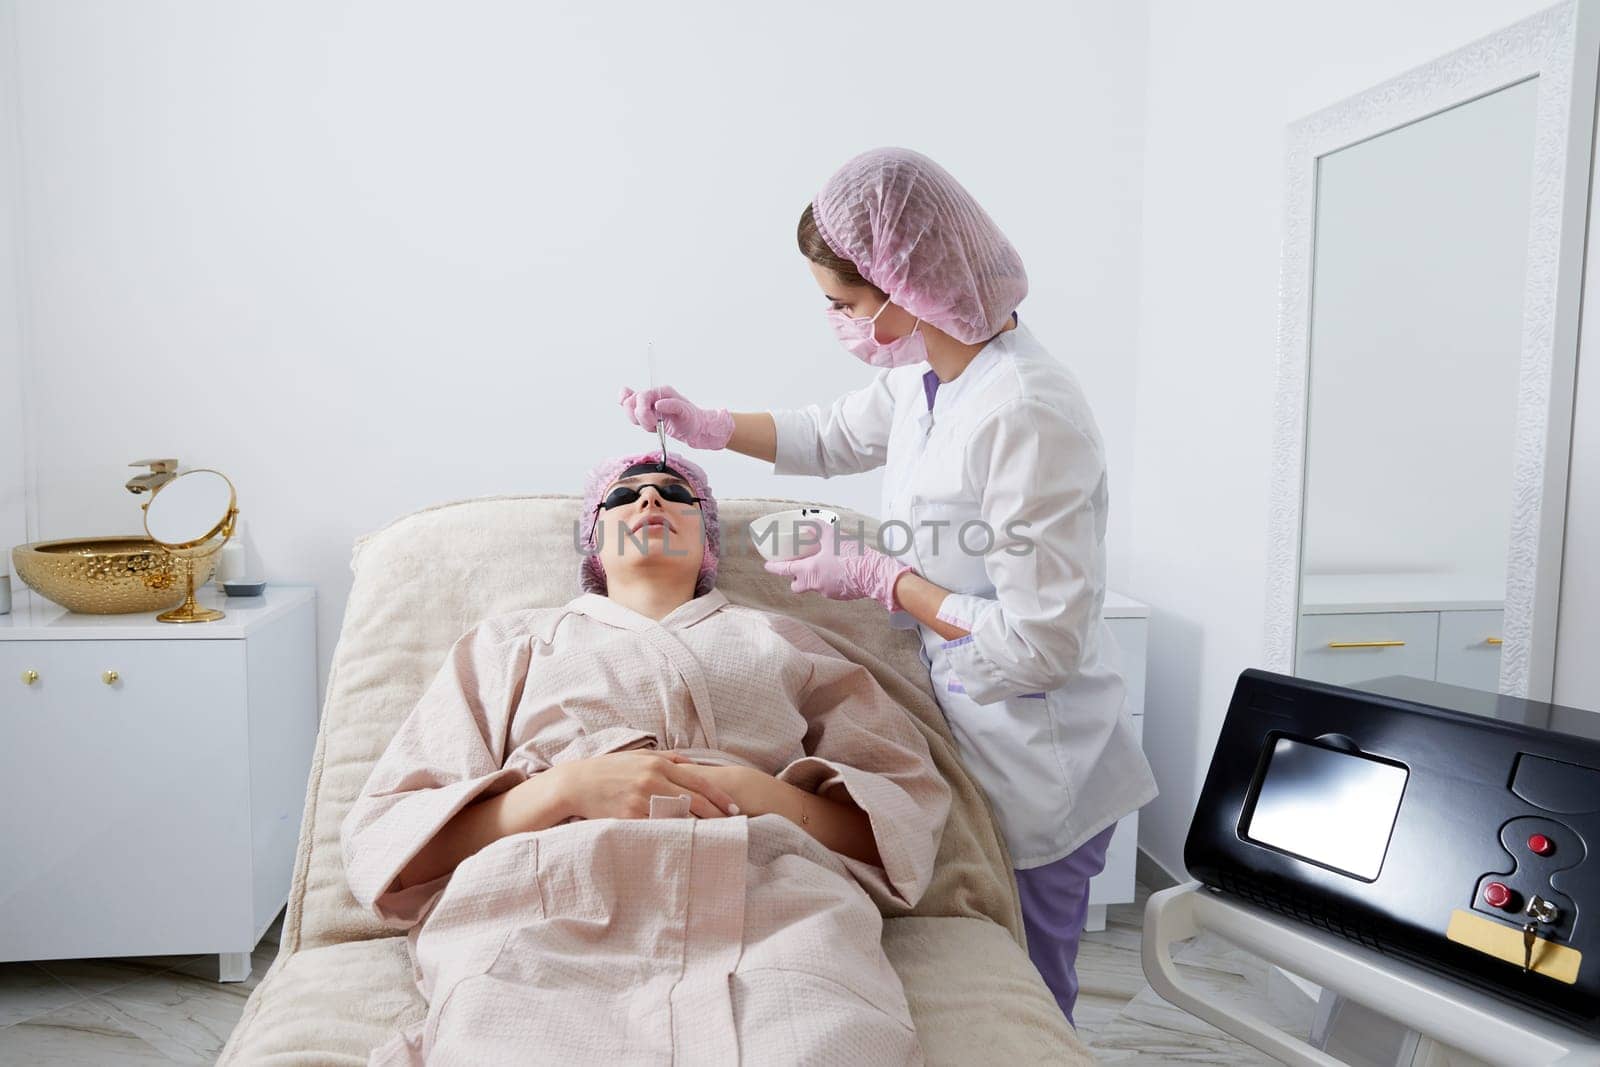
[
  {"x": 591, "y": 575},
  {"x": 914, "y": 232}
]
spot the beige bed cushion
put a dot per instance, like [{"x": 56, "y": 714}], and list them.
[
  {"x": 974, "y": 997},
  {"x": 424, "y": 580}
]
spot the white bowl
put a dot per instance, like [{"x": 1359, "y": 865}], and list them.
[{"x": 777, "y": 536}]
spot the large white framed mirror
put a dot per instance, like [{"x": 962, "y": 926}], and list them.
[{"x": 1428, "y": 326}]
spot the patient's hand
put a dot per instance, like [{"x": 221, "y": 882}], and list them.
[
  {"x": 619, "y": 785},
  {"x": 833, "y": 819},
  {"x": 614, "y": 786},
  {"x": 755, "y": 792}
]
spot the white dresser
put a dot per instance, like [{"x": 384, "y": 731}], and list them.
[
  {"x": 152, "y": 777},
  {"x": 1129, "y": 621},
  {"x": 1444, "y": 628}
]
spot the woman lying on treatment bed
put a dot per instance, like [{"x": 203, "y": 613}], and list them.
[{"x": 649, "y": 826}]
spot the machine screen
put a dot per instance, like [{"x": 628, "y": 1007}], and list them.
[{"x": 1329, "y": 807}]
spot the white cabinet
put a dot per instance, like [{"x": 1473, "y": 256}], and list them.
[
  {"x": 1129, "y": 623},
  {"x": 1469, "y": 649},
  {"x": 152, "y": 777},
  {"x": 1345, "y": 649},
  {"x": 1354, "y": 628}
]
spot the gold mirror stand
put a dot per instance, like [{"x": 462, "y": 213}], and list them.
[{"x": 190, "y": 610}]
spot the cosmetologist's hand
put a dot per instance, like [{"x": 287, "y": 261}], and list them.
[
  {"x": 844, "y": 569},
  {"x": 695, "y": 426}
]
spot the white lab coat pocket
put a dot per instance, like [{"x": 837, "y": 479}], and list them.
[
  {"x": 1014, "y": 749},
  {"x": 950, "y": 542}
]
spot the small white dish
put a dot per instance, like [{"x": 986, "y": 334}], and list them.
[
  {"x": 779, "y": 536},
  {"x": 244, "y": 587}
]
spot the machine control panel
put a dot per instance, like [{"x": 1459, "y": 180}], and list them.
[
  {"x": 1537, "y": 851},
  {"x": 1455, "y": 841}
]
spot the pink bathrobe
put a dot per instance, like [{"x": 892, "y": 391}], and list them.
[{"x": 660, "y": 940}]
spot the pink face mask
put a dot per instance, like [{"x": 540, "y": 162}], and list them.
[{"x": 860, "y": 338}]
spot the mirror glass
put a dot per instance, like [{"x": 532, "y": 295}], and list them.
[
  {"x": 1418, "y": 274},
  {"x": 189, "y": 508}
]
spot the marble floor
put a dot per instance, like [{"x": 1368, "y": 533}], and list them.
[
  {"x": 172, "y": 1009},
  {"x": 1123, "y": 1021},
  {"x": 164, "y": 1009}
]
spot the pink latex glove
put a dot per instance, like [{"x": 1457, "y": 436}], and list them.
[
  {"x": 844, "y": 569},
  {"x": 694, "y": 426}
]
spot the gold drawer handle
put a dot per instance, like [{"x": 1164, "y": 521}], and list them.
[
  {"x": 1366, "y": 644},
  {"x": 1494, "y": 641},
  {"x": 29, "y": 677},
  {"x": 110, "y": 677}
]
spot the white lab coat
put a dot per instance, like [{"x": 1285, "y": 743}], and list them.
[{"x": 1033, "y": 696}]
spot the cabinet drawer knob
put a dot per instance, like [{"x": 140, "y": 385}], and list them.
[
  {"x": 1493, "y": 641},
  {"x": 1366, "y": 644},
  {"x": 110, "y": 677},
  {"x": 29, "y": 677}
]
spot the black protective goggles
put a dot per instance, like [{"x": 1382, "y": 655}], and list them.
[{"x": 673, "y": 492}]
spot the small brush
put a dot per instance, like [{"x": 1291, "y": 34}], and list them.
[{"x": 661, "y": 431}]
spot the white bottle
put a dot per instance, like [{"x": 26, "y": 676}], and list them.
[{"x": 231, "y": 560}]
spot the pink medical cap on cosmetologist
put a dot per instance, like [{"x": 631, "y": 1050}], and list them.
[
  {"x": 914, "y": 232},
  {"x": 591, "y": 575}
]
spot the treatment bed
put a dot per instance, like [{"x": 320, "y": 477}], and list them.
[{"x": 342, "y": 983}]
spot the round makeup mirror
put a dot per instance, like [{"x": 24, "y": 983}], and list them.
[{"x": 191, "y": 516}]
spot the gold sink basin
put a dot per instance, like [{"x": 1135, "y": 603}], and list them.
[{"x": 106, "y": 575}]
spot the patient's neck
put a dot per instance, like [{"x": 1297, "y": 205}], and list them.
[{"x": 652, "y": 596}]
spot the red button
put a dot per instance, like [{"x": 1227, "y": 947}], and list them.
[
  {"x": 1541, "y": 845},
  {"x": 1496, "y": 894}
]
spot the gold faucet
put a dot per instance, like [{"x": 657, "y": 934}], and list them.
[{"x": 162, "y": 471}]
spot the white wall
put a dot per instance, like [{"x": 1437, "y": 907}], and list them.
[
  {"x": 1224, "y": 83},
  {"x": 13, "y": 511},
  {"x": 365, "y": 256}
]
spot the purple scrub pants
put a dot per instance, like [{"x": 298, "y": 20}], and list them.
[{"x": 1055, "y": 899}]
